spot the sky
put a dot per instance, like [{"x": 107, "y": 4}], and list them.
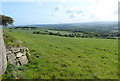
[{"x": 27, "y": 12}]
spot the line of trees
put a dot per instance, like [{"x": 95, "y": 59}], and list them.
[{"x": 82, "y": 34}]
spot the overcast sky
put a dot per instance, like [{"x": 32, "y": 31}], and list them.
[{"x": 27, "y": 12}]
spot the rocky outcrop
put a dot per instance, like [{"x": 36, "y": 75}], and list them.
[{"x": 17, "y": 56}]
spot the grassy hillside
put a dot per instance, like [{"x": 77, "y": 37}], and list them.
[{"x": 67, "y": 58}]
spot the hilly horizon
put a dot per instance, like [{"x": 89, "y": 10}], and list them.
[
  {"x": 90, "y": 26},
  {"x": 80, "y": 23}
]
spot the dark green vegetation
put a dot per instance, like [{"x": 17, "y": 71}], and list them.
[
  {"x": 106, "y": 30},
  {"x": 9, "y": 72},
  {"x": 73, "y": 33},
  {"x": 55, "y": 57},
  {"x": 5, "y": 20},
  {"x": 79, "y": 34}
]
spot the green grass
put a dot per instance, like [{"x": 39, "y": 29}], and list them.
[
  {"x": 68, "y": 58},
  {"x": 61, "y": 32},
  {"x": 10, "y": 40}
]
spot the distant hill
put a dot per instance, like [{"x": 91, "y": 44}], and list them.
[{"x": 93, "y": 26}]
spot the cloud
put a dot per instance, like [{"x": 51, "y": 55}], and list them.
[
  {"x": 59, "y": 7},
  {"x": 77, "y": 12},
  {"x": 69, "y": 11},
  {"x": 52, "y": 15},
  {"x": 105, "y": 8},
  {"x": 94, "y": 9},
  {"x": 72, "y": 16},
  {"x": 76, "y": 9}
]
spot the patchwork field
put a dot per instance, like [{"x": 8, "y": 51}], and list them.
[{"x": 67, "y": 58}]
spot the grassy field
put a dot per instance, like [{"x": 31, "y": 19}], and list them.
[{"x": 67, "y": 58}]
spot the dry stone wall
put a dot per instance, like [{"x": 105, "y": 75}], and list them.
[
  {"x": 13, "y": 55},
  {"x": 17, "y": 56}
]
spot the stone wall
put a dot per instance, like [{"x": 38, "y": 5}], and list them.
[
  {"x": 13, "y": 55},
  {"x": 3, "y": 60},
  {"x": 17, "y": 56}
]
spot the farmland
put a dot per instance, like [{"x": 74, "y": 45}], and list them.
[{"x": 56, "y": 57}]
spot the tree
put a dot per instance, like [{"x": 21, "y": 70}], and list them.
[
  {"x": 5, "y": 20},
  {"x": 51, "y": 33}
]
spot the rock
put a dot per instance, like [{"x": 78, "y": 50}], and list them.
[
  {"x": 21, "y": 50},
  {"x": 23, "y": 60},
  {"x": 19, "y": 41},
  {"x": 8, "y": 52},
  {"x": 27, "y": 49},
  {"x": 19, "y": 68},
  {"x": 11, "y": 59},
  {"x": 24, "y": 53},
  {"x": 17, "y": 50},
  {"x": 18, "y": 64},
  {"x": 19, "y": 54}
]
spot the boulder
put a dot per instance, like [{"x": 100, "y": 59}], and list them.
[
  {"x": 19, "y": 54},
  {"x": 18, "y": 64},
  {"x": 24, "y": 53},
  {"x": 11, "y": 59},
  {"x": 23, "y": 60},
  {"x": 17, "y": 50}
]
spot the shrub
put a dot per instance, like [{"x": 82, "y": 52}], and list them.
[
  {"x": 34, "y": 32},
  {"x": 37, "y": 32},
  {"x": 51, "y": 33}
]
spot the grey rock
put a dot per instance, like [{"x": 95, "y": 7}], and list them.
[
  {"x": 11, "y": 59},
  {"x": 18, "y": 64},
  {"x": 23, "y": 60},
  {"x": 17, "y": 50},
  {"x": 19, "y": 41},
  {"x": 19, "y": 54},
  {"x": 21, "y": 50},
  {"x": 8, "y": 52},
  {"x": 24, "y": 53},
  {"x": 19, "y": 68}
]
